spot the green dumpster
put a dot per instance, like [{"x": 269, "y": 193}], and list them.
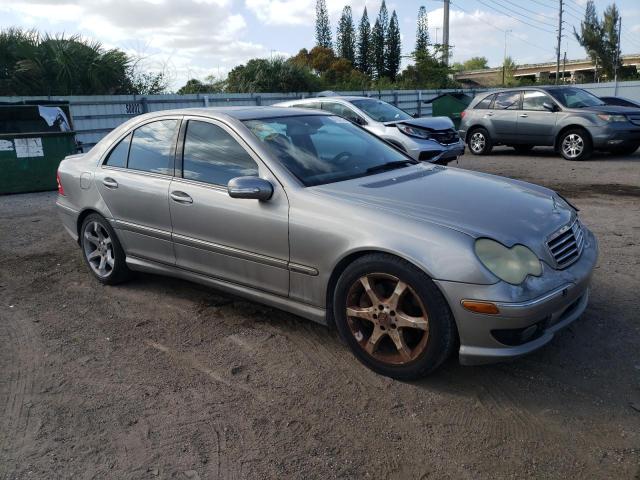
[
  {"x": 34, "y": 138},
  {"x": 450, "y": 105}
]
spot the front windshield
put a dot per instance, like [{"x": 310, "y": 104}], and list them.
[
  {"x": 575, "y": 98},
  {"x": 381, "y": 111},
  {"x": 320, "y": 149}
]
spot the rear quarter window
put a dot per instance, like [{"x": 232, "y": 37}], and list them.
[{"x": 485, "y": 102}]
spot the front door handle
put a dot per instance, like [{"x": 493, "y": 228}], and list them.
[
  {"x": 109, "y": 182},
  {"x": 524, "y": 115},
  {"x": 181, "y": 197},
  {"x": 489, "y": 114}
]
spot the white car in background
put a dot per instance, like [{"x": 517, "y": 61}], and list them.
[{"x": 430, "y": 139}]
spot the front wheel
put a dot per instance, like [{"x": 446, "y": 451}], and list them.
[
  {"x": 575, "y": 144},
  {"x": 102, "y": 251},
  {"x": 393, "y": 317},
  {"x": 480, "y": 142}
]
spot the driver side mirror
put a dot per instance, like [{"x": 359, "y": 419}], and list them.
[
  {"x": 255, "y": 188},
  {"x": 549, "y": 106}
]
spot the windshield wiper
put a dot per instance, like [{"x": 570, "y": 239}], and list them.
[{"x": 390, "y": 166}]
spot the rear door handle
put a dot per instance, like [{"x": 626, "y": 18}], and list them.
[
  {"x": 524, "y": 115},
  {"x": 489, "y": 114},
  {"x": 109, "y": 182},
  {"x": 181, "y": 197}
]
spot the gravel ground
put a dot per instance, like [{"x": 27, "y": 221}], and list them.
[{"x": 161, "y": 378}]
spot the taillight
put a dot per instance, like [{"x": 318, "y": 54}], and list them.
[
  {"x": 60, "y": 187},
  {"x": 463, "y": 113}
]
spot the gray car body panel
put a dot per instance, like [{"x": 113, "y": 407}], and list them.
[
  {"x": 427, "y": 214},
  {"x": 389, "y": 132},
  {"x": 542, "y": 127}
]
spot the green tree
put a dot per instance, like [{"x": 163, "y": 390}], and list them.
[
  {"x": 474, "y": 63},
  {"x": 323, "y": 28},
  {"x": 599, "y": 38},
  {"x": 378, "y": 40},
  {"x": 363, "y": 56},
  {"x": 393, "y": 48},
  {"x": 346, "y": 36},
  {"x": 509, "y": 68},
  {"x": 271, "y": 75},
  {"x": 422, "y": 33}
]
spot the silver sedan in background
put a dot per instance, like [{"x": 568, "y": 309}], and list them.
[
  {"x": 430, "y": 139},
  {"x": 307, "y": 212}
]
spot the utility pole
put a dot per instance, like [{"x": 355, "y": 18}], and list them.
[
  {"x": 559, "y": 42},
  {"x": 564, "y": 68},
  {"x": 504, "y": 58},
  {"x": 445, "y": 32},
  {"x": 615, "y": 89}
]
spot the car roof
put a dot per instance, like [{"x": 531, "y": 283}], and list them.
[
  {"x": 240, "y": 112},
  {"x": 346, "y": 98}
]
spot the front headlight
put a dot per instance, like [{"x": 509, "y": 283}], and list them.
[
  {"x": 412, "y": 132},
  {"x": 611, "y": 118},
  {"x": 509, "y": 264}
]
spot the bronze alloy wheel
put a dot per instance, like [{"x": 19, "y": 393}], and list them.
[{"x": 387, "y": 318}]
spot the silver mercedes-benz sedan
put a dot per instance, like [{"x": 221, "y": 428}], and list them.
[{"x": 309, "y": 213}]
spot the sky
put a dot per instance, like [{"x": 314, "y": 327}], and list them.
[{"x": 197, "y": 38}]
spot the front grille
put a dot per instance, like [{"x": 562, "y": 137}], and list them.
[
  {"x": 445, "y": 137},
  {"x": 566, "y": 244},
  {"x": 635, "y": 119}
]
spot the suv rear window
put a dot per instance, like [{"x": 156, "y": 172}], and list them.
[{"x": 485, "y": 102}]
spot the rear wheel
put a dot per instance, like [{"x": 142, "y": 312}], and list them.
[
  {"x": 523, "y": 148},
  {"x": 393, "y": 317},
  {"x": 480, "y": 142},
  {"x": 102, "y": 251},
  {"x": 575, "y": 144}
]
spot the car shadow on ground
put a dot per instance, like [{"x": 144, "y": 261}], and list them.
[{"x": 549, "y": 152}]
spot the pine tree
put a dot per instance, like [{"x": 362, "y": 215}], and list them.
[
  {"x": 393, "y": 49},
  {"x": 323, "y": 28},
  {"x": 422, "y": 34},
  {"x": 378, "y": 40},
  {"x": 346, "y": 36},
  {"x": 363, "y": 58}
]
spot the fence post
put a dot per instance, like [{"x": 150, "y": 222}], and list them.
[
  {"x": 419, "y": 109},
  {"x": 395, "y": 98},
  {"x": 145, "y": 107},
  {"x": 258, "y": 100},
  {"x": 206, "y": 101}
]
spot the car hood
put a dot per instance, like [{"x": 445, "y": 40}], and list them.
[
  {"x": 434, "y": 123},
  {"x": 477, "y": 204}
]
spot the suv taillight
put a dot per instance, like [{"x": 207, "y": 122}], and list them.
[
  {"x": 60, "y": 187},
  {"x": 463, "y": 113}
]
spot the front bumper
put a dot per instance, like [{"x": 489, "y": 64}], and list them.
[
  {"x": 530, "y": 314},
  {"x": 616, "y": 134},
  {"x": 434, "y": 152}
]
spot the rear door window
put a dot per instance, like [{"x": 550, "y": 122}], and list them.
[
  {"x": 507, "y": 101},
  {"x": 118, "y": 156},
  {"x": 153, "y": 146},
  {"x": 341, "y": 110}
]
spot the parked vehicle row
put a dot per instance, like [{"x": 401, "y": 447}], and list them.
[
  {"x": 305, "y": 211},
  {"x": 570, "y": 119}
]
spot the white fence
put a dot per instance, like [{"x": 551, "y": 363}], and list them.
[{"x": 94, "y": 116}]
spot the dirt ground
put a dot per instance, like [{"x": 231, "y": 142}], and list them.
[{"x": 161, "y": 378}]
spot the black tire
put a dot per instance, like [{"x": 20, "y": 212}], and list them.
[
  {"x": 625, "y": 150},
  {"x": 97, "y": 237},
  {"x": 479, "y": 141},
  {"x": 523, "y": 148},
  {"x": 429, "y": 346},
  {"x": 575, "y": 145}
]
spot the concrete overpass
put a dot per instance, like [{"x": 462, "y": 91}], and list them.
[{"x": 573, "y": 71}]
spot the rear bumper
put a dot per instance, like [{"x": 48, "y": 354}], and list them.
[
  {"x": 69, "y": 217},
  {"x": 530, "y": 314}
]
